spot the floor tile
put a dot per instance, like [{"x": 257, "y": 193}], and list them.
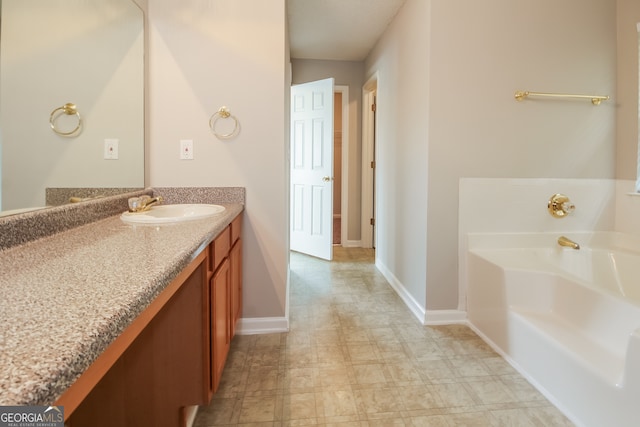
[{"x": 355, "y": 356}]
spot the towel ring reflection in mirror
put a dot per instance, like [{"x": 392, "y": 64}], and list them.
[
  {"x": 68, "y": 109},
  {"x": 223, "y": 113}
]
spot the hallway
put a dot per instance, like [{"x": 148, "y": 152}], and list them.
[{"x": 355, "y": 356}]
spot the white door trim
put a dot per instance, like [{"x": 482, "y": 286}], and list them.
[
  {"x": 368, "y": 133},
  {"x": 344, "y": 188}
]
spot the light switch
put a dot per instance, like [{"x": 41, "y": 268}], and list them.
[
  {"x": 111, "y": 149},
  {"x": 186, "y": 149}
]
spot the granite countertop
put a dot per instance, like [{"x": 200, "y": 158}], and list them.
[{"x": 65, "y": 298}]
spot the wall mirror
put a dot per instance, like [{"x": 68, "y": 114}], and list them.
[{"x": 55, "y": 52}]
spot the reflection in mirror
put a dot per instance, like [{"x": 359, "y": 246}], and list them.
[{"x": 88, "y": 53}]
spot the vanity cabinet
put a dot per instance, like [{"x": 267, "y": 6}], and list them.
[
  {"x": 173, "y": 354},
  {"x": 154, "y": 368},
  {"x": 225, "y": 287},
  {"x": 220, "y": 329},
  {"x": 235, "y": 260}
]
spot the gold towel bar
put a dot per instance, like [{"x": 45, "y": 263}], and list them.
[{"x": 595, "y": 99}]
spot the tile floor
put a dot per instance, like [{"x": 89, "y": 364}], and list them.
[{"x": 355, "y": 356}]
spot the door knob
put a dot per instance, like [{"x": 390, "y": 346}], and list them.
[{"x": 326, "y": 178}]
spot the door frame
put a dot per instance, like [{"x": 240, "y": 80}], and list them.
[
  {"x": 369, "y": 94},
  {"x": 344, "y": 185}
]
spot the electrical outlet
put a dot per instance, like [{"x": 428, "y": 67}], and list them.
[
  {"x": 186, "y": 149},
  {"x": 111, "y": 149}
]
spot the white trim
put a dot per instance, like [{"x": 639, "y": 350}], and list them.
[
  {"x": 445, "y": 317},
  {"x": 262, "y": 325},
  {"x": 190, "y": 414},
  {"x": 344, "y": 190},
  {"x": 397, "y": 286},
  {"x": 369, "y": 90},
  {"x": 426, "y": 317},
  {"x": 462, "y": 250},
  {"x": 352, "y": 244},
  {"x": 637, "y": 187}
]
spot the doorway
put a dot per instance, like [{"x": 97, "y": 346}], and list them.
[
  {"x": 369, "y": 106},
  {"x": 340, "y": 164},
  {"x": 311, "y": 168}
]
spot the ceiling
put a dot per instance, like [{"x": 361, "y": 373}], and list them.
[{"x": 340, "y": 30}]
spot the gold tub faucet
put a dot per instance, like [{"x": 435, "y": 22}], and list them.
[{"x": 565, "y": 241}]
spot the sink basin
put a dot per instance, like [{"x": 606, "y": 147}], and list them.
[{"x": 165, "y": 214}]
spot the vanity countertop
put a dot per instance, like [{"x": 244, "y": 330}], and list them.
[{"x": 65, "y": 298}]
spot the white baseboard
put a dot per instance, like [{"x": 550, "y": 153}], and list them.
[
  {"x": 352, "y": 244},
  {"x": 445, "y": 317},
  {"x": 409, "y": 301},
  {"x": 426, "y": 317},
  {"x": 191, "y": 412},
  {"x": 262, "y": 325}
]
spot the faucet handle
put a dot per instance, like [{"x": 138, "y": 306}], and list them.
[
  {"x": 560, "y": 206},
  {"x": 134, "y": 204},
  {"x": 568, "y": 207}
]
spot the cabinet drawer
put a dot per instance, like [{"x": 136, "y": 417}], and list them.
[
  {"x": 220, "y": 246},
  {"x": 236, "y": 227}
]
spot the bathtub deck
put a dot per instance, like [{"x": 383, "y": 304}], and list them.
[{"x": 573, "y": 340}]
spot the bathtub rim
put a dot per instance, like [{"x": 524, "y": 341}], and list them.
[
  {"x": 597, "y": 239},
  {"x": 610, "y": 241},
  {"x": 514, "y": 240}
]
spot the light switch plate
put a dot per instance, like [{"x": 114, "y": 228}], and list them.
[
  {"x": 111, "y": 149},
  {"x": 186, "y": 149}
]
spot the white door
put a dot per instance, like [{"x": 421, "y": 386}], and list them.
[{"x": 312, "y": 168}]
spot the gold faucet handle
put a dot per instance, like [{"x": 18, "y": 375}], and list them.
[
  {"x": 560, "y": 206},
  {"x": 134, "y": 204}
]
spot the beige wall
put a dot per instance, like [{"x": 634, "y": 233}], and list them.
[
  {"x": 627, "y": 93},
  {"x": 205, "y": 54},
  {"x": 447, "y": 74},
  {"x": 401, "y": 62}
]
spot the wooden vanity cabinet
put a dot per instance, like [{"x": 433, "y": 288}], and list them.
[
  {"x": 220, "y": 329},
  {"x": 219, "y": 307},
  {"x": 235, "y": 259},
  {"x": 154, "y": 368},
  {"x": 173, "y": 354},
  {"x": 225, "y": 296}
]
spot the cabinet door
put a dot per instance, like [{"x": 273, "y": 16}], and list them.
[
  {"x": 220, "y": 332},
  {"x": 160, "y": 371},
  {"x": 235, "y": 258}
]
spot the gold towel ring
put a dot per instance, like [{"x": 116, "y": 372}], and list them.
[
  {"x": 70, "y": 110},
  {"x": 223, "y": 113}
]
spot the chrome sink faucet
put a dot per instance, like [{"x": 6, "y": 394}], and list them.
[
  {"x": 143, "y": 203},
  {"x": 567, "y": 242}
]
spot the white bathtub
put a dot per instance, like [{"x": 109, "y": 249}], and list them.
[{"x": 569, "y": 320}]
